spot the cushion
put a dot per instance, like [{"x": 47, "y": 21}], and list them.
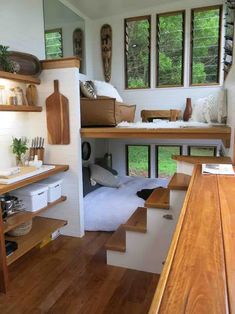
[
  {"x": 106, "y": 89},
  {"x": 102, "y": 163},
  {"x": 210, "y": 109},
  {"x": 103, "y": 176},
  {"x": 87, "y": 187},
  {"x": 127, "y": 113},
  {"x": 88, "y": 89}
]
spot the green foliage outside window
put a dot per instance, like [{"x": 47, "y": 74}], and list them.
[
  {"x": 205, "y": 45},
  {"x": 53, "y": 42},
  {"x": 170, "y": 52},
  {"x": 137, "y": 50}
]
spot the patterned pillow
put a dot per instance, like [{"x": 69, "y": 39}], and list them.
[{"x": 88, "y": 89}]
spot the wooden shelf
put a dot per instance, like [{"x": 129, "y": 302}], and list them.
[
  {"x": 42, "y": 227},
  {"x": 21, "y": 108},
  {"x": 214, "y": 132},
  {"x": 5, "y": 188},
  {"x": 19, "y": 218},
  {"x": 20, "y": 78}
]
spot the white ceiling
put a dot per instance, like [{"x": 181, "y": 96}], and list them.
[{"x": 96, "y": 9}]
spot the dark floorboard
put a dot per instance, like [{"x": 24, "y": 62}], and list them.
[{"x": 70, "y": 275}]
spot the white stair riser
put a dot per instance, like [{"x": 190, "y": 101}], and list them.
[
  {"x": 185, "y": 167},
  {"x": 148, "y": 251}
]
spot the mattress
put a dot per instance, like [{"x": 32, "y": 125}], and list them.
[{"x": 106, "y": 208}]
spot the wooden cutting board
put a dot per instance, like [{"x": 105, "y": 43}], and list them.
[{"x": 57, "y": 109}]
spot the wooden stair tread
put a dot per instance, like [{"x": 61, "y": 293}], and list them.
[
  {"x": 179, "y": 181},
  {"x": 117, "y": 242},
  {"x": 138, "y": 221},
  {"x": 160, "y": 198},
  {"x": 202, "y": 159}
]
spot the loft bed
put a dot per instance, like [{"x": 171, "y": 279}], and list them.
[{"x": 222, "y": 133}]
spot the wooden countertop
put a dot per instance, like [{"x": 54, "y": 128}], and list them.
[
  {"x": 199, "y": 273},
  {"x": 5, "y": 188},
  {"x": 215, "y": 132},
  {"x": 202, "y": 159}
]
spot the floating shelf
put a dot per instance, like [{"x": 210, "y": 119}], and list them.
[
  {"x": 20, "y": 78},
  {"x": 42, "y": 227},
  {"x": 21, "y": 217},
  {"x": 21, "y": 108},
  {"x": 5, "y": 188}
]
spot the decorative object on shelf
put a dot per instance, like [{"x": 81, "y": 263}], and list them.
[
  {"x": 188, "y": 110},
  {"x": 12, "y": 99},
  {"x": 37, "y": 149},
  {"x": 21, "y": 230},
  {"x": 25, "y": 63},
  {"x": 78, "y": 44},
  {"x": 106, "y": 50},
  {"x": 57, "y": 109},
  {"x": 86, "y": 151},
  {"x": 21, "y": 101},
  {"x": 19, "y": 148},
  {"x": 3, "y": 97},
  {"x": 5, "y": 61},
  {"x": 229, "y": 35},
  {"x": 32, "y": 95}
]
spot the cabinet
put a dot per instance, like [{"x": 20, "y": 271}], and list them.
[{"x": 42, "y": 227}]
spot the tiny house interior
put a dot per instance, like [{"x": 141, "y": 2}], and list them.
[{"x": 117, "y": 156}]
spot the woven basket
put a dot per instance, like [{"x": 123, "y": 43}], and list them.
[{"x": 22, "y": 229}]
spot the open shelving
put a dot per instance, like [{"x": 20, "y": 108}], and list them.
[
  {"x": 27, "y": 79},
  {"x": 22, "y": 217},
  {"x": 21, "y": 108},
  {"x": 42, "y": 227}
]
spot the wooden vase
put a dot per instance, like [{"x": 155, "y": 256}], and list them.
[{"x": 188, "y": 110}]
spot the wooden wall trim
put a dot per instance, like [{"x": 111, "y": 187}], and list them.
[{"x": 63, "y": 63}]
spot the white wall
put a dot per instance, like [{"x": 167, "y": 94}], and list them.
[
  {"x": 21, "y": 26},
  {"x": 72, "y": 209},
  {"x": 12, "y": 124},
  {"x": 154, "y": 97}
]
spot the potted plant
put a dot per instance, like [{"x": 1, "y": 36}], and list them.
[
  {"x": 19, "y": 148},
  {"x": 5, "y": 62}
]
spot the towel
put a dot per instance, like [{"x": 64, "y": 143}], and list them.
[{"x": 4, "y": 174}]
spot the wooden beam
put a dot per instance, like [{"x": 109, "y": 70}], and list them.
[
  {"x": 63, "y": 63},
  {"x": 212, "y": 133},
  {"x": 4, "y": 280}
]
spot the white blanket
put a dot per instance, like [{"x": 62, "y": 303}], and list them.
[
  {"x": 163, "y": 124},
  {"x": 107, "y": 208}
]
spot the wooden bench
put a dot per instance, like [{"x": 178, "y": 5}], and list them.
[{"x": 149, "y": 115}]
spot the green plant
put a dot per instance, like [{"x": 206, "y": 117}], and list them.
[
  {"x": 19, "y": 146},
  {"x": 5, "y": 62}
]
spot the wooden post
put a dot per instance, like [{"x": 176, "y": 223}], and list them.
[{"x": 4, "y": 281}]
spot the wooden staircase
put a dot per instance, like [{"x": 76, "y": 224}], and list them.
[
  {"x": 142, "y": 243},
  {"x": 134, "y": 243}
]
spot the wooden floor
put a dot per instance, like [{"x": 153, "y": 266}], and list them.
[{"x": 70, "y": 275}]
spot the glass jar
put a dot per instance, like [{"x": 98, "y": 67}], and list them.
[{"x": 3, "y": 98}]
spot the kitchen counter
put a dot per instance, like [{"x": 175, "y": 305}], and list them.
[{"x": 199, "y": 273}]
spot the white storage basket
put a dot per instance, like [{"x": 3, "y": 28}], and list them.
[
  {"x": 54, "y": 188},
  {"x": 34, "y": 196}
]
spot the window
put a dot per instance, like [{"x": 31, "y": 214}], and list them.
[
  {"x": 138, "y": 160},
  {"x": 53, "y": 41},
  {"x": 205, "y": 45},
  {"x": 202, "y": 151},
  {"x": 170, "y": 49},
  {"x": 137, "y": 52},
  {"x": 165, "y": 165}
]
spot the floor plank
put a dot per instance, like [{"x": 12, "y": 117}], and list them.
[{"x": 70, "y": 275}]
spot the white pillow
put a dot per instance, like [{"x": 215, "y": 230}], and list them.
[
  {"x": 103, "y": 176},
  {"x": 106, "y": 89},
  {"x": 210, "y": 109}
]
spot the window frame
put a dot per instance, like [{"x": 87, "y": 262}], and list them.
[
  {"x": 197, "y": 146},
  {"x": 149, "y": 157},
  {"x": 157, "y": 48},
  {"x": 156, "y": 155},
  {"x": 132, "y": 19},
  {"x": 201, "y": 9},
  {"x": 54, "y": 30}
]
